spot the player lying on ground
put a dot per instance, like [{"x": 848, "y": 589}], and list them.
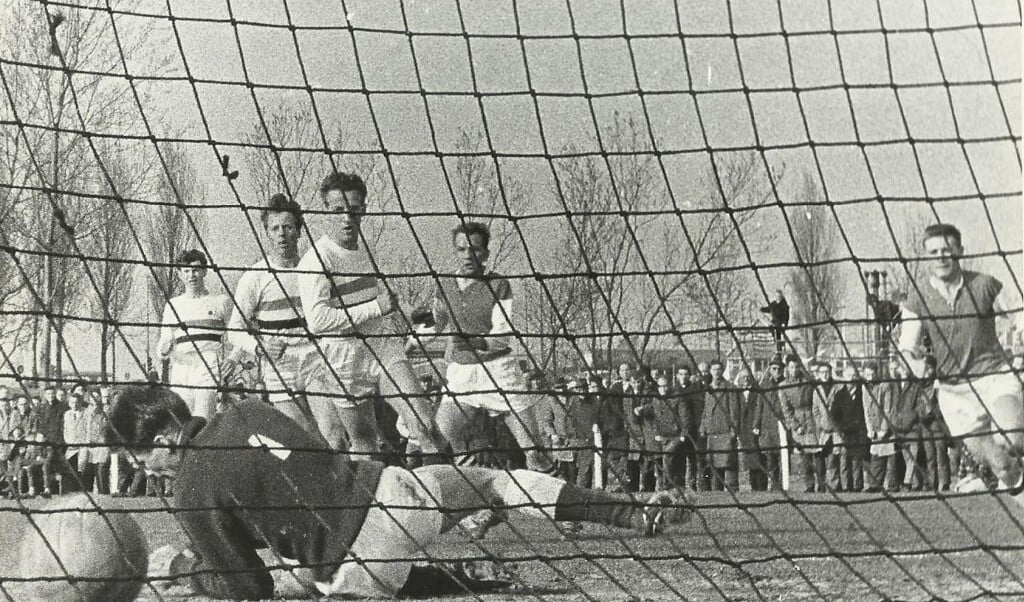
[
  {"x": 979, "y": 396},
  {"x": 251, "y": 478}
]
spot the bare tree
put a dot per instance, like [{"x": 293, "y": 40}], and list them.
[
  {"x": 817, "y": 289},
  {"x": 54, "y": 163},
  {"x": 696, "y": 269},
  {"x": 908, "y": 223},
  {"x": 125, "y": 175},
  {"x": 481, "y": 193},
  {"x": 274, "y": 165},
  {"x": 12, "y": 321}
]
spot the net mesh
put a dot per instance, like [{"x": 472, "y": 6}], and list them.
[{"x": 651, "y": 174}]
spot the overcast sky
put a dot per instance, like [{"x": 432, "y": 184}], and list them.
[{"x": 572, "y": 64}]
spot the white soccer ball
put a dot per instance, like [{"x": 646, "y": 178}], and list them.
[{"x": 78, "y": 554}]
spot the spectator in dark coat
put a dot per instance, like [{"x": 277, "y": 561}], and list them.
[
  {"x": 720, "y": 427},
  {"x": 909, "y": 395},
  {"x": 644, "y": 449},
  {"x": 935, "y": 439},
  {"x": 583, "y": 412},
  {"x": 767, "y": 425},
  {"x": 688, "y": 390},
  {"x": 796, "y": 398},
  {"x": 12, "y": 453},
  {"x": 828, "y": 436},
  {"x": 615, "y": 404},
  {"x": 877, "y": 418},
  {"x": 848, "y": 418},
  {"x": 751, "y": 459},
  {"x": 673, "y": 434},
  {"x": 778, "y": 311}
]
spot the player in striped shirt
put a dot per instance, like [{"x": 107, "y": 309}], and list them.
[
  {"x": 191, "y": 329},
  {"x": 360, "y": 349},
  {"x": 268, "y": 320}
]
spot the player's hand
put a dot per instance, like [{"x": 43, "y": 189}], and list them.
[
  {"x": 756, "y": 431},
  {"x": 387, "y": 301},
  {"x": 273, "y": 347}
]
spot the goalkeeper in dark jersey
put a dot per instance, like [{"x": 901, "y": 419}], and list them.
[{"x": 251, "y": 479}]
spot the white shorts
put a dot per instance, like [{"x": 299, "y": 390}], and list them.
[
  {"x": 281, "y": 376},
  {"x": 497, "y": 385},
  {"x": 990, "y": 403},
  {"x": 349, "y": 372},
  {"x": 409, "y": 522},
  {"x": 194, "y": 376}
]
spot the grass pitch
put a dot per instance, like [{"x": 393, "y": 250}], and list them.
[{"x": 749, "y": 546}]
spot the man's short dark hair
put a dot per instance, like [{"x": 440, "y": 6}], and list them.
[
  {"x": 942, "y": 231},
  {"x": 140, "y": 412},
  {"x": 279, "y": 203},
  {"x": 344, "y": 182},
  {"x": 193, "y": 256},
  {"x": 794, "y": 358},
  {"x": 473, "y": 229},
  {"x": 716, "y": 362}
]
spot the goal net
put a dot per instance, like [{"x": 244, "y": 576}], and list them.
[{"x": 709, "y": 189}]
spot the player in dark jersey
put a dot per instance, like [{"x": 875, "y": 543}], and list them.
[
  {"x": 980, "y": 397},
  {"x": 473, "y": 310},
  {"x": 252, "y": 479}
]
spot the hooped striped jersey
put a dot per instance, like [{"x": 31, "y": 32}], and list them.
[
  {"x": 193, "y": 325},
  {"x": 268, "y": 304},
  {"x": 338, "y": 288}
]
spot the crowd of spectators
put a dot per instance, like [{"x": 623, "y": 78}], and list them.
[
  {"x": 864, "y": 428},
  {"x": 52, "y": 441}
]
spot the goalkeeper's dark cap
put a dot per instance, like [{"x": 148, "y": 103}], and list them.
[
  {"x": 776, "y": 361},
  {"x": 140, "y": 412}
]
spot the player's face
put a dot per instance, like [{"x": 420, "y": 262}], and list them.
[
  {"x": 282, "y": 235},
  {"x": 625, "y": 372},
  {"x": 682, "y": 376},
  {"x": 716, "y": 371},
  {"x": 471, "y": 252},
  {"x": 944, "y": 253},
  {"x": 775, "y": 370},
  {"x": 824, "y": 373},
  {"x": 348, "y": 208},
  {"x": 192, "y": 275},
  {"x": 792, "y": 370}
]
